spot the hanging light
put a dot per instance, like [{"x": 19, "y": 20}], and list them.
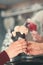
[
  {"x": 20, "y": 20},
  {"x": 9, "y": 23}
]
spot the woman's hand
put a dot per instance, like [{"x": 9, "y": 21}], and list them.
[
  {"x": 16, "y": 47},
  {"x": 34, "y": 48}
]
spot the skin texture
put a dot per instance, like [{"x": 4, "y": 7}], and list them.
[
  {"x": 30, "y": 48},
  {"x": 16, "y": 47},
  {"x": 35, "y": 48}
]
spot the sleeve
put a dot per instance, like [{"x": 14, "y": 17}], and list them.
[{"x": 3, "y": 58}]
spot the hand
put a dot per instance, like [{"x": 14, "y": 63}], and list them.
[
  {"x": 16, "y": 47},
  {"x": 35, "y": 48}
]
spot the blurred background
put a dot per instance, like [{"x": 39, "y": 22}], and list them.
[{"x": 15, "y": 12}]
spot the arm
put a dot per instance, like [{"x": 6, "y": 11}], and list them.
[
  {"x": 13, "y": 50},
  {"x": 3, "y": 58}
]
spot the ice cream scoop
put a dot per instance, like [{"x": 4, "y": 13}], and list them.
[
  {"x": 22, "y": 29},
  {"x": 19, "y": 32}
]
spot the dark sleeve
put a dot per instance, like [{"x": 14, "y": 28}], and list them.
[{"x": 3, "y": 58}]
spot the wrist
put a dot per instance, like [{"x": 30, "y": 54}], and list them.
[{"x": 8, "y": 53}]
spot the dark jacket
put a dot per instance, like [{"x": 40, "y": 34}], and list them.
[{"x": 3, "y": 58}]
